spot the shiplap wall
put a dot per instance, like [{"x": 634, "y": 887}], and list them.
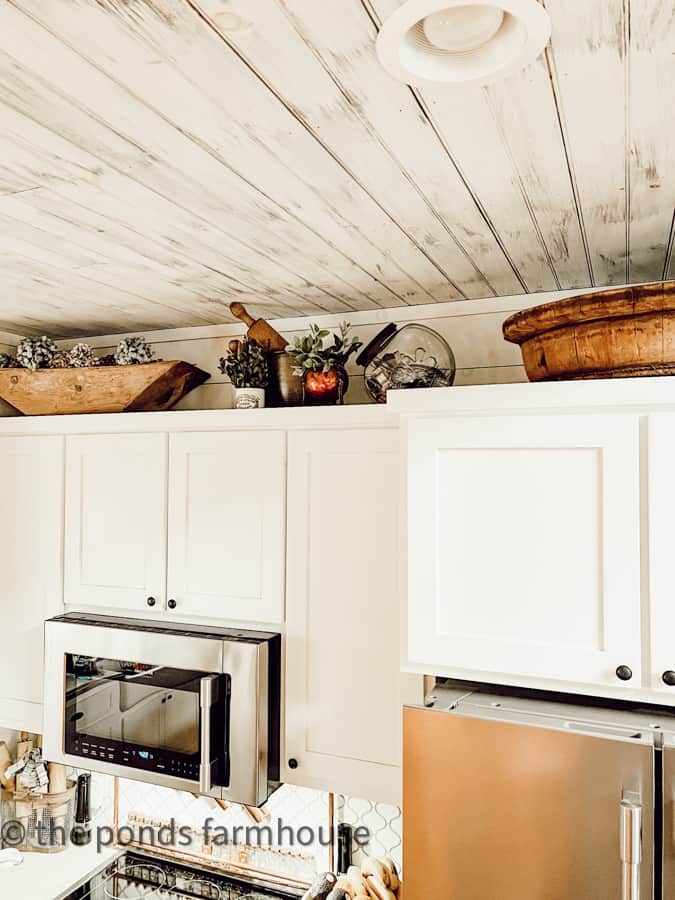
[
  {"x": 7, "y": 345},
  {"x": 472, "y": 328}
]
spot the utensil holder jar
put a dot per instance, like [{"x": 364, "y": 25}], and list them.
[{"x": 37, "y": 823}]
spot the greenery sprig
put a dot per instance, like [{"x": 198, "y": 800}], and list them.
[
  {"x": 311, "y": 355},
  {"x": 246, "y": 364}
]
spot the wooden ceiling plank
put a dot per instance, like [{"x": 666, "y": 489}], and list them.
[
  {"x": 324, "y": 89},
  {"x": 587, "y": 57},
  {"x": 279, "y": 155},
  {"x": 90, "y": 294},
  {"x": 30, "y": 243},
  {"x": 518, "y": 178},
  {"x": 651, "y": 65},
  {"x": 132, "y": 271},
  {"x": 71, "y": 161},
  {"x": 528, "y": 128},
  {"x": 182, "y": 166},
  {"x": 470, "y": 146},
  {"x": 132, "y": 256},
  {"x": 64, "y": 164},
  {"x": 34, "y": 294},
  {"x": 133, "y": 222}
]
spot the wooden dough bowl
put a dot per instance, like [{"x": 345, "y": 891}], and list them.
[
  {"x": 615, "y": 333},
  {"x": 101, "y": 389}
]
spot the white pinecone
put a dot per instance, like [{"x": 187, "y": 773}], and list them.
[
  {"x": 35, "y": 353},
  {"x": 7, "y": 361},
  {"x": 59, "y": 360},
  {"x": 133, "y": 351},
  {"x": 82, "y": 356}
]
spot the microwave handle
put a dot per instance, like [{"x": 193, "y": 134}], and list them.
[{"x": 207, "y": 697}]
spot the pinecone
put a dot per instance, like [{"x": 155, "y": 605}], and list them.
[
  {"x": 133, "y": 351},
  {"x": 59, "y": 360},
  {"x": 7, "y": 361},
  {"x": 82, "y": 356},
  {"x": 35, "y": 353},
  {"x": 107, "y": 360}
]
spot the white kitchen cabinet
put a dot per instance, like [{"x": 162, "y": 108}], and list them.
[
  {"x": 115, "y": 544},
  {"x": 661, "y": 535},
  {"x": 31, "y": 538},
  {"x": 524, "y": 548},
  {"x": 342, "y": 715},
  {"x": 227, "y": 534}
]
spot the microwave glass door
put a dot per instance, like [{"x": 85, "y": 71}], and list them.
[{"x": 147, "y": 716}]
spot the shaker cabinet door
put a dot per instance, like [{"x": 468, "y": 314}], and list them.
[
  {"x": 661, "y": 506},
  {"x": 524, "y": 548},
  {"x": 342, "y": 716},
  {"x": 115, "y": 554},
  {"x": 227, "y": 534},
  {"x": 31, "y": 528}
]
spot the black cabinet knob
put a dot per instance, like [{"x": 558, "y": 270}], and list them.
[
  {"x": 292, "y": 763},
  {"x": 668, "y": 677},
  {"x": 172, "y": 604},
  {"x": 625, "y": 673},
  {"x": 151, "y": 601}
]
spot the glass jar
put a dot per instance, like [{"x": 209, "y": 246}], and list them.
[{"x": 413, "y": 356}]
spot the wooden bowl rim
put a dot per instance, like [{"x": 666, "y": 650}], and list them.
[{"x": 638, "y": 299}]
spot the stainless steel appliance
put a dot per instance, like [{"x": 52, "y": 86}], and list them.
[
  {"x": 136, "y": 875},
  {"x": 193, "y": 708},
  {"x": 521, "y": 799}
]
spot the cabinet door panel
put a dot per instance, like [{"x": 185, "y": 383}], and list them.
[
  {"x": 342, "y": 653},
  {"x": 524, "y": 546},
  {"x": 31, "y": 538},
  {"x": 227, "y": 525},
  {"x": 661, "y": 505},
  {"x": 116, "y": 520}
]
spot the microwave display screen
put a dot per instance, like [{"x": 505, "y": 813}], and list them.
[{"x": 134, "y": 703}]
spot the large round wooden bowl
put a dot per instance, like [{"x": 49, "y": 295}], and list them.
[{"x": 608, "y": 334}]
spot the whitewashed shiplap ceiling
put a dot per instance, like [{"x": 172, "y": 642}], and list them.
[{"x": 160, "y": 158}]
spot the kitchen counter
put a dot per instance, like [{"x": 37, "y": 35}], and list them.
[{"x": 51, "y": 876}]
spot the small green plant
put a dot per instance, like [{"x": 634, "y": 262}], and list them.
[
  {"x": 245, "y": 365},
  {"x": 311, "y": 355}
]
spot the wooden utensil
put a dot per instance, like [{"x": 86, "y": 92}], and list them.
[
  {"x": 58, "y": 782},
  {"x": 5, "y": 763},
  {"x": 258, "y": 329}
]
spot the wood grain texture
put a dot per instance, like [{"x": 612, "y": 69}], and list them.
[
  {"x": 590, "y": 71},
  {"x": 616, "y": 333},
  {"x": 162, "y": 158},
  {"x": 56, "y": 392}
]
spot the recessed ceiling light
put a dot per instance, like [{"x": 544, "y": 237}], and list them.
[{"x": 456, "y": 41}]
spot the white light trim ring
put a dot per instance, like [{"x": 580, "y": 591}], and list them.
[{"x": 407, "y": 53}]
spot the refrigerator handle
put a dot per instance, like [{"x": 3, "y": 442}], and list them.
[{"x": 631, "y": 849}]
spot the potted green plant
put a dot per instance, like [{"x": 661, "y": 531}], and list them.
[
  {"x": 246, "y": 367},
  {"x": 322, "y": 366}
]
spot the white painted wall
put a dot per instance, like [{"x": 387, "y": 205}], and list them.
[{"x": 7, "y": 345}]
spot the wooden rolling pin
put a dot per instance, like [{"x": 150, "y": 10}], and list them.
[{"x": 259, "y": 330}]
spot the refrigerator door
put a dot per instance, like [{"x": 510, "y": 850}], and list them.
[
  {"x": 669, "y": 817},
  {"x": 494, "y": 808}
]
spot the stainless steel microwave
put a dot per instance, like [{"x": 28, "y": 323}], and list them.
[{"x": 189, "y": 707}]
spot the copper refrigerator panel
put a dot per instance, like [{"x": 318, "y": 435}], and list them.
[{"x": 500, "y": 811}]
